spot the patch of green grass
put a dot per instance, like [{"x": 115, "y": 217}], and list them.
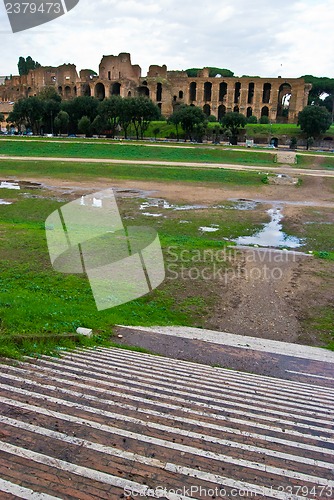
[
  {"x": 316, "y": 228},
  {"x": 77, "y": 170},
  {"x": 310, "y": 161},
  {"x": 135, "y": 152},
  {"x": 323, "y": 322}
]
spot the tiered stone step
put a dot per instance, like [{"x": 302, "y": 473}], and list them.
[{"x": 113, "y": 423}]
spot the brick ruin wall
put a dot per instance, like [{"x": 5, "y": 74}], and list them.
[{"x": 278, "y": 98}]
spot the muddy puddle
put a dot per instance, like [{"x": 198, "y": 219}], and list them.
[
  {"x": 165, "y": 205},
  {"x": 272, "y": 234}
]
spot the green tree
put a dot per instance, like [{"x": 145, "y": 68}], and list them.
[
  {"x": 109, "y": 111},
  {"x": 143, "y": 111},
  {"x": 28, "y": 112},
  {"x": 125, "y": 115},
  {"x": 320, "y": 87},
  {"x": 314, "y": 121},
  {"x": 252, "y": 119},
  {"x": 213, "y": 72},
  {"x": 79, "y": 107},
  {"x": 234, "y": 122},
  {"x": 2, "y": 117},
  {"x": 191, "y": 118},
  {"x": 61, "y": 122},
  {"x": 99, "y": 125},
  {"x": 25, "y": 65},
  {"x": 84, "y": 125}
]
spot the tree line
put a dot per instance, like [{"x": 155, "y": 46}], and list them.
[{"x": 47, "y": 113}]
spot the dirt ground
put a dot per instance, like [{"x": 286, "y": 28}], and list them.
[{"x": 263, "y": 297}]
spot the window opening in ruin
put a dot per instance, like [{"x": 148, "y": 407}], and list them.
[
  {"x": 207, "y": 109},
  {"x": 237, "y": 88},
  {"x": 159, "y": 92},
  {"x": 222, "y": 91},
  {"x": 284, "y": 100},
  {"x": 116, "y": 88},
  {"x": 192, "y": 91},
  {"x": 221, "y": 111},
  {"x": 265, "y": 111},
  {"x": 207, "y": 91},
  {"x": 250, "y": 93},
  {"x": 99, "y": 91},
  {"x": 143, "y": 91},
  {"x": 266, "y": 93}
]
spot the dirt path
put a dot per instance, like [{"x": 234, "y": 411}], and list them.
[{"x": 255, "y": 298}]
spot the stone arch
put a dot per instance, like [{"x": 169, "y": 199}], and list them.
[
  {"x": 180, "y": 94},
  {"x": 207, "y": 109},
  {"x": 265, "y": 111},
  {"x": 237, "y": 90},
  {"x": 159, "y": 92},
  {"x": 251, "y": 89},
  {"x": 207, "y": 91},
  {"x": 236, "y": 109},
  {"x": 143, "y": 91},
  {"x": 193, "y": 91},
  {"x": 129, "y": 93},
  {"x": 60, "y": 90},
  {"x": 266, "y": 93},
  {"x": 115, "y": 88},
  {"x": 67, "y": 92},
  {"x": 75, "y": 90},
  {"x": 284, "y": 97},
  {"x": 221, "y": 111},
  {"x": 144, "y": 83},
  {"x": 249, "y": 112},
  {"x": 222, "y": 91},
  {"x": 29, "y": 90},
  {"x": 99, "y": 91},
  {"x": 86, "y": 90}
]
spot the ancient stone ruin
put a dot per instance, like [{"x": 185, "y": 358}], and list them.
[{"x": 279, "y": 99}]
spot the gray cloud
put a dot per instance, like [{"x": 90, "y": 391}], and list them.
[{"x": 289, "y": 38}]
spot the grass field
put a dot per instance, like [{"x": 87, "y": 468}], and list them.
[
  {"x": 35, "y": 298},
  {"x": 77, "y": 170},
  {"x": 124, "y": 151}
]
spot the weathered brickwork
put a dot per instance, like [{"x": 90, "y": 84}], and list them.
[{"x": 278, "y": 98}]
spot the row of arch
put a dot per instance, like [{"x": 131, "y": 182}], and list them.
[
  {"x": 222, "y": 111},
  {"x": 284, "y": 90}
]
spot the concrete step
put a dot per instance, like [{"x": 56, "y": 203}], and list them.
[{"x": 102, "y": 423}]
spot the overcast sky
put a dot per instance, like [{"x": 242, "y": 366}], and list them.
[{"x": 290, "y": 38}]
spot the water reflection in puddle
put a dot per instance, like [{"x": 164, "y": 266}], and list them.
[
  {"x": 160, "y": 203},
  {"x": 271, "y": 235},
  {"x": 209, "y": 229},
  {"x": 9, "y": 185}
]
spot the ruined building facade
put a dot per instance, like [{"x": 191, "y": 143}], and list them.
[{"x": 278, "y": 98}]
